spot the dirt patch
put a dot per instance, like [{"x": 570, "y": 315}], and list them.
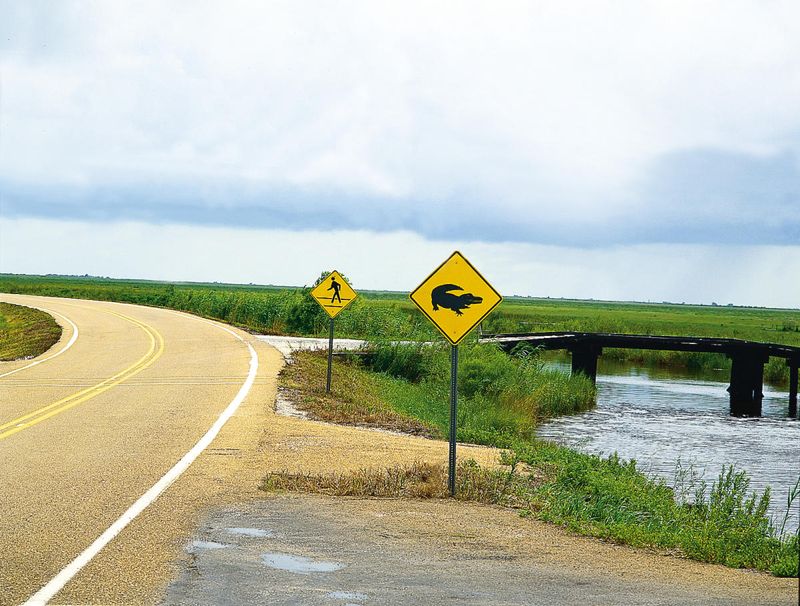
[{"x": 316, "y": 550}]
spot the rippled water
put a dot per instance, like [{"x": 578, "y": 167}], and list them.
[{"x": 660, "y": 417}]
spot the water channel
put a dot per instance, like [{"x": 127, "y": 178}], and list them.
[{"x": 662, "y": 416}]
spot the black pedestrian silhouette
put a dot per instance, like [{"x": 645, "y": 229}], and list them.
[{"x": 335, "y": 287}]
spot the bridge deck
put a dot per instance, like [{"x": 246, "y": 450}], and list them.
[
  {"x": 747, "y": 368},
  {"x": 573, "y": 340}
]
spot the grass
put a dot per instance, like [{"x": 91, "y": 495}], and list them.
[
  {"x": 417, "y": 481},
  {"x": 355, "y": 397},
  {"x": 501, "y": 397},
  {"x": 601, "y": 497},
  {"x": 286, "y": 310},
  {"x": 25, "y": 332}
]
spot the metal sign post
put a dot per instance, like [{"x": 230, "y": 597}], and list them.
[
  {"x": 455, "y": 297},
  {"x": 333, "y": 294},
  {"x": 330, "y": 358},
  {"x": 451, "y": 474}
]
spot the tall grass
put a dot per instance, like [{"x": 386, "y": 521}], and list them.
[
  {"x": 501, "y": 397},
  {"x": 281, "y": 310},
  {"x": 268, "y": 310},
  {"x": 610, "y": 498}
]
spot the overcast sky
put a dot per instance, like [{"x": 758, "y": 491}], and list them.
[{"x": 625, "y": 150}]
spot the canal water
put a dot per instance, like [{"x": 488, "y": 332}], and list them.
[{"x": 666, "y": 418}]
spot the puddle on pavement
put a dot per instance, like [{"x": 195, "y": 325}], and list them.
[
  {"x": 250, "y": 532},
  {"x": 347, "y": 595},
  {"x": 298, "y": 564},
  {"x": 199, "y": 545}
]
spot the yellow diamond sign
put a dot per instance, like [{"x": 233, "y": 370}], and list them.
[
  {"x": 333, "y": 294},
  {"x": 456, "y": 297}
]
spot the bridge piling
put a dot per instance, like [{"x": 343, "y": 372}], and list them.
[
  {"x": 747, "y": 369},
  {"x": 747, "y": 384},
  {"x": 584, "y": 360}
]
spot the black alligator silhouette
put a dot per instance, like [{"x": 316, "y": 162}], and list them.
[{"x": 442, "y": 297}]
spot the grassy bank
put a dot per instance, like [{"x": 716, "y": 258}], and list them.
[
  {"x": 283, "y": 310},
  {"x": 25, "y": 332},
  {"x": 601, "y": 497},
  {"x": 501, "y": 397}
]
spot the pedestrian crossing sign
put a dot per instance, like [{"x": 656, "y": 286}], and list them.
[{"x": 333, "y": 294}]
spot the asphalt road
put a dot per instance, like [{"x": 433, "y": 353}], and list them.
[{"x": 87, "y": 432}]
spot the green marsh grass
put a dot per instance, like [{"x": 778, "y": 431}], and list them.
[
  {"x": 377, "y": 314},
  {"x": 501, "y": 396},
  {"x": 25, "y": 332}
]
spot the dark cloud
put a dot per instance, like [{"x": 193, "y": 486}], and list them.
[
  {"x": 724, "y": 186},
  {"x": 702, "y": 196}
]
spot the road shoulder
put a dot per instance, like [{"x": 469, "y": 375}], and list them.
[{"x": 289, "y": 549}]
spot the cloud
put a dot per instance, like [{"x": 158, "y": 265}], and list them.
[
  {"x": 703, "y": 196},
  {"x": 750, "y": 275},
  {"x": 724, "y": 197},
  {"x": 596, "y": 124}
]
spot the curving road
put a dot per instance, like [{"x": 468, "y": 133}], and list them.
[
  {"x": 92, "y": 425},
  {"x": 125, "y": 409}
]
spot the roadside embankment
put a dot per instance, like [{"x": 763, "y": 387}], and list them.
[
  {"x": 297, "y": 547},
  {"x": 602, "y": 497}
]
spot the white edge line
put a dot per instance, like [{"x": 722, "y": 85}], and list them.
[
  {"x": 69, "y": 344},
  {"x": 48, "y": 592}
]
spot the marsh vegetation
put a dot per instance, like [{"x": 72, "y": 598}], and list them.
[
  {"x": 25, "y": 332},
  {"x": 286, "y": 310}
]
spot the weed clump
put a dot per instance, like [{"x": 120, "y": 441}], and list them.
[{"x": 419, "y": 480}]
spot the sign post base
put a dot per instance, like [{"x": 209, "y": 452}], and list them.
[
  {"x": 451, "y": 477},
  {"x": 330, "y": 358}
]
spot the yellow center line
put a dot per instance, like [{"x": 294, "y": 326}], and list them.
[{"x": 37, "y": 416}]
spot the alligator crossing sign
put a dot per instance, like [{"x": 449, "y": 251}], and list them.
[
  {"x": 456, "y": 297},
  {"x": 333, "y": 294}
]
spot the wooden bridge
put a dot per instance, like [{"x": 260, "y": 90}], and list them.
[{"x": 747, "y": 358}]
